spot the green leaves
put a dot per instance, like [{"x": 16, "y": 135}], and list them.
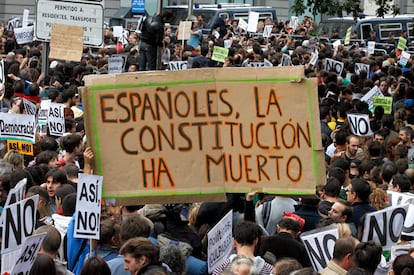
[{"x": 339, "y": 8}]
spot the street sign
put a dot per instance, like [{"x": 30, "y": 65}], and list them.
[{"x": 87, "y": 14}]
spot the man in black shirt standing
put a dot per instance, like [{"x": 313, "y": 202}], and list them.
[{"x": 152, "y": 35}]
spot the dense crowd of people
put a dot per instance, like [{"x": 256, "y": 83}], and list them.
[{"x": 172, "y": 238}]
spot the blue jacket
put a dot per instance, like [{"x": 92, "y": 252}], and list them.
[{"x": 76, "y": 249}]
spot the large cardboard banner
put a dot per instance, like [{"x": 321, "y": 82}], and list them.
[
  {"x": 385, "y": 226},
  {"x": 220, "y": 242},
  {"x": 175, "y": 136}
]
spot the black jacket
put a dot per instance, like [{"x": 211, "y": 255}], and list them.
[{"x": 153, "y": 31}]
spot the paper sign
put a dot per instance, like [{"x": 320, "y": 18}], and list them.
[
  {"x": 15, "y": 194},
  {"x": 359, "y": 124},
  {"x": 184, "y": 30},
  {"x": 59, "y": 46},
  {"x": 385, "y": 226},
  {"x": 252, "y": 21},
  {"x": 337, "y": 43},
  {"x": 2, "y": 75},
  {"x": 242, "y": 24},
  {"x": 17, "y": 127},
  {"x": 177, "y": 65},
  {"x": 294, "y": 22},
  {"x": 348, "y": 36},
  {"x": 24, "y": 148},
  {"x": 117, "y": 31},
  {"x": 220, "y": 242},
  {"x": 361, "y": 67},
  {"x": 265, "y": 63},
  {"x": 13, "y": 23},
  {"x": 227, "y": 43},
  {"x": 24, "y": 35},
  {"x": 116, "y": 64},
  {"x": 19, "y": 224},
  {"x": 219, "y": 54},
  {"x": 25, "y": 22},
  {"x": 30, "y": 107},
  {"x": 371, "y": 47},
  {"x": 56, "y": 119},
  {"x": 332, "y": 65},
  {"x": 319, "y": 244},
  {"x": 397, "y": 198},
  {"x": 369, "y": 97},
  {"x": 314, "y": 59},
  {"x": 408, "y": 229},
  {"x": 267, "y": 31},
  {"x": 311, "y": 46},
  {"x": 28, "y": 254},
  {"x": 402, "y": 43},
  {"x": 384, "y": 101},
  {"x": 156, "y": 136},
  {"x": 88, "y": 206},
  {"x": 43, "y": 115},
  {"x": 405, "y": 56}
]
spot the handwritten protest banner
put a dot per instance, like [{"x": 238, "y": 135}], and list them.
[
  {"x": 359, "y": 124},
  {"x": 28, "y": 254},
  {"x": 17, "y": 127},
  {"x": 190, "y": 135},
  {"x": 219, "y": 54},
  {"x": 383, "y": 101},
  {"x": 242, "y": 24},
  {"x": 59, "y": 46},
  {"x": 220, "y": 242},
  {"x": 184, "y": 30},
  {"x": 404, "y": 58},
  {"x": 88, "y": 207},
  {"x": 319, "y": 245},
  {"x": 56, "y": 119},
  {"x": 116, "y": 64},
  {"x": 19, "y": 223},
  {"x": 385, "y": 226}
]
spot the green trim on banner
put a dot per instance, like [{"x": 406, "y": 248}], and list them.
[
  {"x": 189, "y": 82},
  {"x": 95, "y": 131},
  {"x": 312, "y": 128}
]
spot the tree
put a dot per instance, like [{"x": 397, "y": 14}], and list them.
[{"x": 339, "y": 8}]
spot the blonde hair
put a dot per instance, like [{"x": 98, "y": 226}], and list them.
[
  {"x": 14, "y": 158},
  {"x": 377, "y": 199}
]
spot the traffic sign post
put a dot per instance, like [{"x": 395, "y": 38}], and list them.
[{"x": 87, "y": 14}]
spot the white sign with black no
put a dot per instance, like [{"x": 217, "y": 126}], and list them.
[
  {"x": 19, "y": 223},
  {"x": 56, "y": 119},
  {"x": 385, "y": 226},
  {"x": 319, "y": 244},
  {"x": 88, "y": 206}
]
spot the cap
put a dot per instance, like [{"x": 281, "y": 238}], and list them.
[
  {"x": 409, "y": 102},
  {"x": 53, "y": 64},
  {"x": 297, "y": 218}
]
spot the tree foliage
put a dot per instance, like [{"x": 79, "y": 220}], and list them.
[{"x": 341, "y": 8}]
